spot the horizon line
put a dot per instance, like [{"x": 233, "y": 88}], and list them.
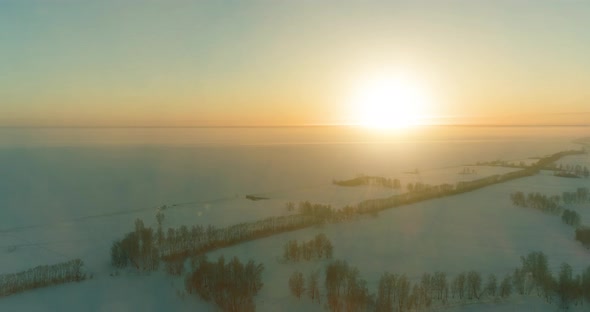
[{"x": 289, "y": 126}]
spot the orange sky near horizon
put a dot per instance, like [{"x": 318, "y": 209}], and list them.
[{"x": 264, "y": 63}]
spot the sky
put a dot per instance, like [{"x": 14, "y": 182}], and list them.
[{"x": 271, "y": 62}]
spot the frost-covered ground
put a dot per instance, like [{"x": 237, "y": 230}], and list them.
[
  {"x": 51, "y": 240},
  {"x": 65, "y": 201},
  {"x": 479, "y": 231}
]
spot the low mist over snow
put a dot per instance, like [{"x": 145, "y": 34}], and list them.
[{"x": 74, "y": 197}]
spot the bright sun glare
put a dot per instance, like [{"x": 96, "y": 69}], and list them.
[{"x": 390, "y": 102}]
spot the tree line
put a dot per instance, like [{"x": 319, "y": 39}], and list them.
[
  {"x": 551, "y": 203},
  {"x": 420, "y": 191},
  {"x": 426, "y": 192},
  {"x": 504, "y": 163},
  {"x": 580, "y": 196},
  {"x": 42, "y": 276},
  {"x": 317, "y": 248},
  {"x": 144, "y": 248},
  {"x": 571, "y": 171},
  {"x": 230, "y": 285},
  {"x": 345, "y": 290},
  {"x": 546, "y": 204},
  {"x": 370, "y": 180}
]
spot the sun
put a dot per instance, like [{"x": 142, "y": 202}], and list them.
[{"x": 390, "y": 102}]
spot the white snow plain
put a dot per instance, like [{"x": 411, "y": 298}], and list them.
[{"x": 69, "y": 202}]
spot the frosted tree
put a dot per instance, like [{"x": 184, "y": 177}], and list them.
[
  {"x": 296, "y": 284},
  {"x": 491, "y": 285},
  {"x": 386, "y": 292},
  {"x": 473, "y": 285},
  {"x": 566, "y": 286},
  {"x": 458, "y": 286},
  {"x": 506, "y": 286},
  {"x": 313, "y": 286}
]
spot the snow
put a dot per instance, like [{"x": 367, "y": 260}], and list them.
[
  {"x": 480, "y": 231},
  {"x": 154, "y": 292},
  {"x": 63, "y": 202},
  {"x": 582, "y": 160},
  {"x": 452, "y": 175}
]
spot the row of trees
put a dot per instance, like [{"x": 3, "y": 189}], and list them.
[
  {"x": 425, "y": 191},
  {"x": 370, "y": 180},
  {"x": 534, "y": 276},
  {"x": 504, "y": 163},
  {"x": 547, "y": 162},
  {"x": 299, "y": 286},
  {"x": 580, "y": 196},
  {"x": 550, "y": 204},
  {"x": 574, "y": 171},
  {"x": 42, "y": 276},
  {"x": 317, "y": 248},
  {"x": 544, "y": 203},
  {"x": 420, "y": 191},
  {"x": 144, "y": 247},
  {"x": 420, "y": 187},
  {"x": 321, "y": 211},
  {"x": 478, "y": 183},
  {"x": 230, "y": 285},
  {"x": 571, "y": 217},
  {"x": 398, "y": 293},
  {"x": 346, "y": 291}
]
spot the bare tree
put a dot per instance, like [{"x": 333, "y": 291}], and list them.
[
  {"x": 296, "y": 284},
  {"x": 506, "y": 286},
  {"x": 473, "y": 284},
  {"x": 313, "y": 286},
  {"x": 491, "y": 285}
]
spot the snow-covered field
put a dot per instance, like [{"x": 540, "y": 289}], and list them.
[
  {"x": 64, "y": 202},
  {"x": 479, "y": 231}
]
